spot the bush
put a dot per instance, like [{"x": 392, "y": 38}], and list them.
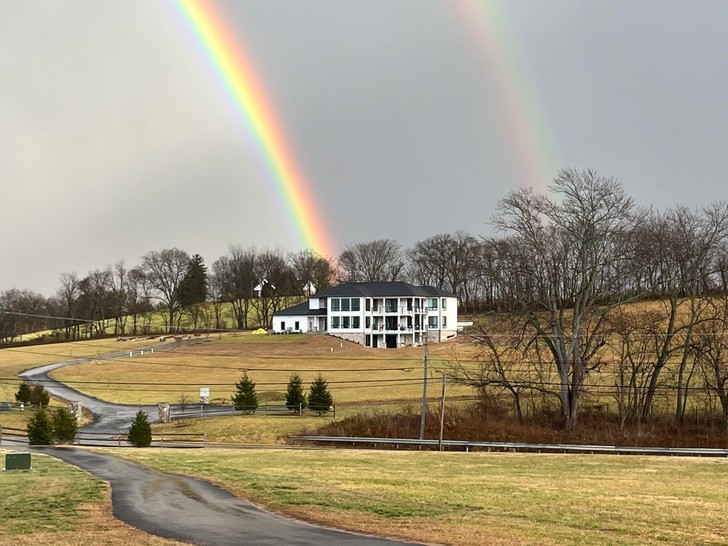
[
  {"x": 40, "y": 429},
  {"x": 140, "y": 432},
  {"x": 319, "y": 397},
  {"x": 295, "y": 397},
  {"x": 39, "y": 397},
  {"x": 245, "y": 399},
  {"x": 64, "y": 426},
  {"x": 23, "y": 394}
]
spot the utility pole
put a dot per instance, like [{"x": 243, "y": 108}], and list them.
[
  {"x": 424, "y": 392},
  {"x": 442, "y": 410}
]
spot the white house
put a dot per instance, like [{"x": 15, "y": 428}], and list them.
[{"x": 375, "y": 314}]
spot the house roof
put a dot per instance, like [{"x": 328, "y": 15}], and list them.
[
  {"x": 300, "y": 310},
  {"x": 382, "y": 289}
]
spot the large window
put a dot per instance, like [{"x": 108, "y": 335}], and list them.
[
  {"x": 444, "y": 303},
  {"x": 355, "y": 322},
  {"x": 444, "y": 322},
  {"x": 335, "y": 323},
  {"x": 432, "y": 303},
  {"x": 432, "y": 322},
  {"x": 390, "y": 305},
  {"x": 345, "y": 304},
  {"x": 334, "y": 305},
  {"x": 345, "y": 322},
  {"x": 355, "y": 304}
]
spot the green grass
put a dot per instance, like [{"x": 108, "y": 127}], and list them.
[
  {"x": 46, "y": 499},
  {"x": 459, "y": 498}
]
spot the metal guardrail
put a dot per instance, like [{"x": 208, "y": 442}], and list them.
[{"x": 522, "y": 447}]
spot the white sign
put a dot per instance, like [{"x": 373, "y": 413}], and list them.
[{"x": 204, "y": 392}]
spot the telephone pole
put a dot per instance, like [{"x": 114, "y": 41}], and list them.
[{"x": 424, "y": 392}]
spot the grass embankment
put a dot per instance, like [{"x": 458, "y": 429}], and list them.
[
  {"x": 476, "y": 498},
  {"x": 57, "y": 503}
]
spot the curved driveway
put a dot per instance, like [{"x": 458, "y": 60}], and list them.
[
  {"x": 196, "y": 511},
  {"x": 171, "y": 506}
]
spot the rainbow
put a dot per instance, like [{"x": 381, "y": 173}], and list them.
[
  {"x": 248, "y": 95},
  {"x": 523, "y": 119}
]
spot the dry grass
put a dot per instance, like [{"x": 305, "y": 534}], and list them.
[
  {"x": 270, "y": 360},
  {"x": 57, "y": 503},
  {"x": 476, "y": 498}
]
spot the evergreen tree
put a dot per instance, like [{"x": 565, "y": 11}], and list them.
[
  {"x": 319, "y": 397},
  {"x": 295, "y": 397},
  {"x": 23, "y": 394},
  {"x": 39, "y": 396},
  {"x": 193, "y": 288},
  {"x": 64, "y": 426},
  {"x": 245, "y": 399},
  {"x": 140, "y": 432},
  {"x": 40, "y": 429}
]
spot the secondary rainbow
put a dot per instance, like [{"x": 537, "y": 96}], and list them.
[
  {"x": 523, "y": 117},
  {"x": 236, "y": 71}
]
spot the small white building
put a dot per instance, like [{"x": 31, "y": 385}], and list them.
[{"x": 375, "y": 314}]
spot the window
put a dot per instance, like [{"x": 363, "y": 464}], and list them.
[
  {"x": 444, "y": 322},
  {"x": 432, "y": 303},
  {"x": 334, "y": 305},
  {"x": 335, "y": 323},
  {"x": 368, "y": 322},
  {"x": 345, "y": 322},
  {"x": 283, "y": 325},
  {"x": 444, "y": 303},
  {"x": 432, "y": 322},
  {"x": 297, "y": 326},
  {"x": 368, "y": 305},
  {"x": 345, "y": 304},
  {"x": 355, "y": 322},
  {"x": 390, "y": 305},
  {"x": 355, "y": 304}
]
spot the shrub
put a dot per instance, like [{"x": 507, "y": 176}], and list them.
[
  {"x": 40, "y": 429},
  {"x": 23, "y": 394},
  {"x": 295, "y": 397},
  {"x": 245, "y": 399},
  {"x": 140, "y": 432},
  {"x": 64, "y": 426},
  {"x": 39, "y": 396},
  {"x": 319, "y": 397}
]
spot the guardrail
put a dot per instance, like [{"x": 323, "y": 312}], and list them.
[
  {"x": 515, "y": 446},
  {"x": 117, "y": 439}
]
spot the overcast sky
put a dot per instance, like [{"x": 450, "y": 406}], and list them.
[{"x": 408, "y": 118}]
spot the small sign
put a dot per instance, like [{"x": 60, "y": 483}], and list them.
[{"x": 204, "y": 395}]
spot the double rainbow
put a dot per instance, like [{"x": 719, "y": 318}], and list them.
[{"x": 244, "y": 87}]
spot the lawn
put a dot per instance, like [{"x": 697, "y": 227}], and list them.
[
  {"x": 476, "y": 498},
  {"x": 57, "y": 503}
]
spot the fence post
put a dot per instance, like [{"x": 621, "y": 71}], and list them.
[
  {"x": 204, "y": 439},
  {"x": 161, "y": 440},
  {"x": 334, "y": 412},
  {"x": 300, "y": 410}
]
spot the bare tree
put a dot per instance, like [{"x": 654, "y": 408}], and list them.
[
  {"x": 313, "y": 272},
  {"x": 67, "y": 295},
  {"x": 382, "y": 260},
  {"x": 570, "y": 248},
  {"x": 164, "y": 270}
]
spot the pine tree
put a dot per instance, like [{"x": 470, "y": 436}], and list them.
[
  {"x": 319, "y": 397},
  {"x": 23, "y": 394},
  {"x": 193, "y": 287},
  {"x": 64, "y": 426},
  {"x": 295, "y": 397},
  {"x": 245, "y": 399},
  {"x": 40, "y": 429},
  {"x": 140, "y": 432},
  {"x": 39, "y": 397}
]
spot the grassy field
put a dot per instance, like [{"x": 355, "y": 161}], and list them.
[
  {"x": 476, "y": 498},
  {"x": 57, "y": 503},
  {"x": 356, "y": 374}
]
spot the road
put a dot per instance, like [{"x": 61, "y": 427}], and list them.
[{"x": 196, "y": 511}]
